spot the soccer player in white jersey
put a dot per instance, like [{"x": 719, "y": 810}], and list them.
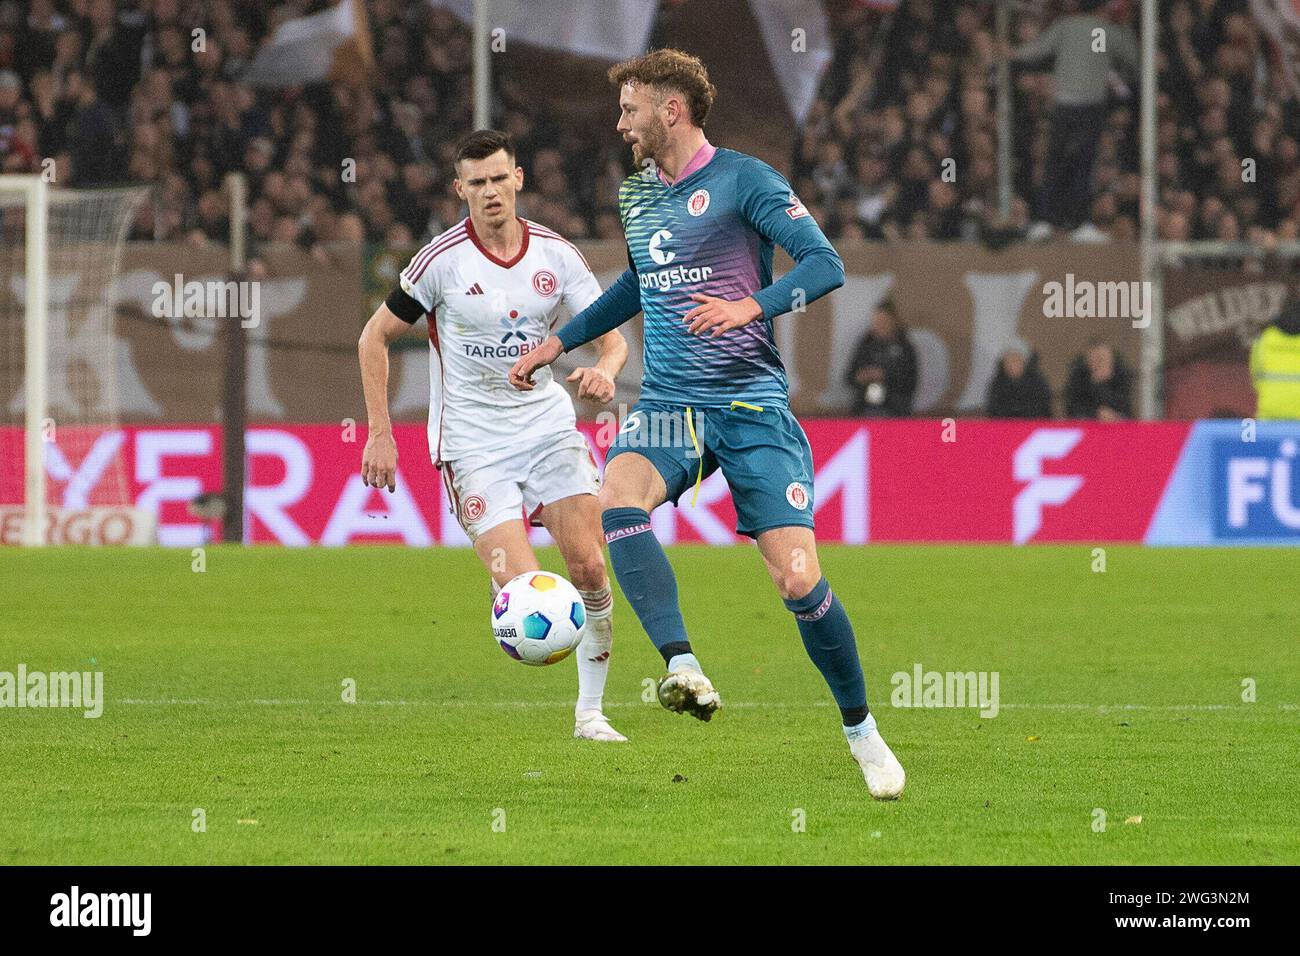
[{"x": 492, "y": 286}]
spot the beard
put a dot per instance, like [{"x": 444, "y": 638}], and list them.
[{"x": 651, "y": 142}]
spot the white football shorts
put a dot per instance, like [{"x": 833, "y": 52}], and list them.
[{"x": 487, "y": 489}]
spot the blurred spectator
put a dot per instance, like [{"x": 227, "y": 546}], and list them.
[
  {"x": 1019, "y": 389},
  {"x": 1100, "y": 385},
  {"x": 94, "y": 136},
  {"x": 17, "y": 154},
  {"x": 1275, "y": 366},
  {"x": 883, "y": 371},
  {"x": 1080, "y": 79}
]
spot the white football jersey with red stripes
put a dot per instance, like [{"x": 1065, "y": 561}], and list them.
[{"x": 483, "y": 314}]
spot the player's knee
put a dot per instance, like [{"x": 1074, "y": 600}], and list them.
[
  {"x": 794, "y": 583},
  {"x": 613, "y": 496},
  {"x": 630, "y": 482},
  {"x": 587, "y": 572}
]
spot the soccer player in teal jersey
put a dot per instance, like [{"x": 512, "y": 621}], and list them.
[{"x": 701, "y": 224}]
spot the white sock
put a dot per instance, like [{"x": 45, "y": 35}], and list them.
[
  {"x": 680, "y": 662},
  {"x": 593, "y": 652},
  {"x": 862, "y": 731}
]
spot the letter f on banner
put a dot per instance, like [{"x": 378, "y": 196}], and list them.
[{"x": 1045, "y": 444}]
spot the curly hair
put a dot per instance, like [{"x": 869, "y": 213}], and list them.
[{"x": 670, "y": 70}]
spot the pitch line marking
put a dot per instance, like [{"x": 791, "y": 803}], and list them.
[{"x": 730, "y": 705}]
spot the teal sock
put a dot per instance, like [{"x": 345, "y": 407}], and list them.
[
  {"x": 828, "y": 637},
  {"x": 646, "y": 578}
]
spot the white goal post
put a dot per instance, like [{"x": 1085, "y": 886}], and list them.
[
  {"x": 60, "y": 250},
  {"x": 35, "y": 196}
]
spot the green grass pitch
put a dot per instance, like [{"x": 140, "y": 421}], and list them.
[{"x": 1119, "y": 691}]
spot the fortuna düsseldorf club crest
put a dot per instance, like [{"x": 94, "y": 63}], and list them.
[
  {"x": 698, "y": 202},
  {"x": 544, "y": 282},
  {"x": 472, "y": 508}
]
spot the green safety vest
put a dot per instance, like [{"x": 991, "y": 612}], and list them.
[{"x": 1275, "y": 370}]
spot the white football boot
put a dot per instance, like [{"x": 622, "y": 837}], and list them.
[
  {"x": 687, "y": 691},
  {"x": 593, "y": 725},
  {"x": 884, "y": 773}
]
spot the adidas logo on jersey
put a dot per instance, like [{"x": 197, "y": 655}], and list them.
[{"x": 475, "y": 289}]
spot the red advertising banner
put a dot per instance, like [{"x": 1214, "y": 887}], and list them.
[
  {"x": 891, "y": 480},
  {"x": 1017, "y": 481}
]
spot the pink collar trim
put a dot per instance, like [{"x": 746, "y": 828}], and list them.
[{"x": 698, "y": 161}]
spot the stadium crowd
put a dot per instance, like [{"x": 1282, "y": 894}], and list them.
[
  {"x": 891, "y": 111},
  {"x": 126, "y": 90}
]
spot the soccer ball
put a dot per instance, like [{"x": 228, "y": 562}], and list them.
[{"x": 538, "y": 618}]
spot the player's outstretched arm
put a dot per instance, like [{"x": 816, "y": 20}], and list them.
[
  {"x": 596, "y": 382},
  {"x": 379, "y": 460},
  {"x": 620, "y": 302}
]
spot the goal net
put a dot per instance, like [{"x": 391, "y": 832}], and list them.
[{"x": 60, "y": 251}]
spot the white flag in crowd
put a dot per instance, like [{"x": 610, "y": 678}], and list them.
[
  {"x": 620, "y": 29},
  {"x": 797, "y": 59},
  {"x": 610, "y": 30},
  {"x": 332, "y": 44}
]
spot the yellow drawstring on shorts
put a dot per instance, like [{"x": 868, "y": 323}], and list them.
[
  {"x": 695, "y": 443},
  {"x": 699, "y": 452}
]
